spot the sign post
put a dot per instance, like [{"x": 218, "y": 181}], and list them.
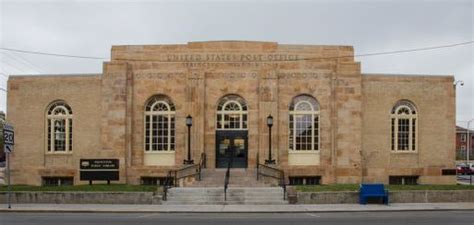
[{"x": 8, "y": 143}]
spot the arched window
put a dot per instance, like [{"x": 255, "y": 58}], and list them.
[
  {"x": 404, "y": 126},
  {"x": 303, "y": 126},
  {"x": 159, "y": 124},
  {"x": 59, "y": 120},
  {"x": 232, "y": 113}
]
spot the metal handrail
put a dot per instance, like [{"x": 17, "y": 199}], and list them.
[
  {"x": 203, "y": 160},
  {"x": 175, "y": 175},
  {"x": 258, "y": 163},
  {"x": 280, "y": 176},
  {"x": 167, "y": 185},
  {"x": 194, "y": 167},
  {"x": 202, "y": 164},
  {"x": 227, "y": 175}
]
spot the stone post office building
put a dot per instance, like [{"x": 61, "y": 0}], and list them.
[{"x": 330, "y": 120}]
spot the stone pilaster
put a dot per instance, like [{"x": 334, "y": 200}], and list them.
[
  {"x": 348, "y": 126},
  {"x": 195, "y": 106},
  {"x": 114, "y": 114},
  {"x": 267, "y": 101}
]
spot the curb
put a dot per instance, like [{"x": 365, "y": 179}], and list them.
[{"x": 13, "y": 210}]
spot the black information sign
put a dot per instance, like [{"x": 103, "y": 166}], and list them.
[{"x": 99, "y": 169}]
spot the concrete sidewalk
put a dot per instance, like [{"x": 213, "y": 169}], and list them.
[{"x": 106, "y": 208}]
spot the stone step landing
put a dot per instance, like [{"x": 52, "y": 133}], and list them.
[
  {"x": 235, "y": 196},
  {"x": 238, "y": 178}
]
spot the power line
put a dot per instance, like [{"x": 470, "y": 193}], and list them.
[
  {"x": 314, "y": 58},
  {"x": 3, "y": 72},
  {"x": 12, "y": 66},
  {"x": 416, "y": 49},
  {"x": 1, "y": 88},
  {"x": 51, "y": 54},
  {"x": 27, "y": 61},
  {"x": 343, "y": 56},
  {"x": 18, "y": 58},
  {"x": 10, "y": 60}
]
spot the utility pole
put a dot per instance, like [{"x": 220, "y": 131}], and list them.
[
  {"x": 468, "y": 141},
  {"x": 468, "y": 150}
]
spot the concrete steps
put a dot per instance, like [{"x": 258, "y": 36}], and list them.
[
  {"x": 238, "y": 178},
  {"x": 235, "y": 196},
  {"x": 243, "y": 189}
]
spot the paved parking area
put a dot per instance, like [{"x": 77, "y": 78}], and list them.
[{"x": 465, "y": 179}]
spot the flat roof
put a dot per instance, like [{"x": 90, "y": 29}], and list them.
[
  {"x": 406, "y": 75},
  {"x": 19, "y": 76}
]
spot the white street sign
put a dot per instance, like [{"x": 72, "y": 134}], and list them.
[
  {"x": 8, "y": 148},
  {"x": 8, "y": 142},
  {"x": 8, "y": 138}
]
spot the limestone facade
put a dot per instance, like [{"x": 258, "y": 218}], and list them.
[{"x": 108, "y": 112}]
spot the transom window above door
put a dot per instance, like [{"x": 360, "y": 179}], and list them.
[{"x": 232, "y": 113}]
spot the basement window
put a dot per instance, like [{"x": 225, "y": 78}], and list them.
[
  {"x": 403, "y": 180},
  {"x": 307, "y": 180},
  {"x": 153, "y": 181},
  {"x": 58, "y": 181},
  {"x": 448, "y": 172}
]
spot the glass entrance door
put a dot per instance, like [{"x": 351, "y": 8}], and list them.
[{"x": 231, "y": 144}]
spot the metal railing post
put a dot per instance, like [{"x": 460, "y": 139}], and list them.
[
  {"x": 283, "y": 184},
  {"x": 257, "y": 173},
  {"x": 227, "y": 175},
  {"x": 176, "y": 178},
  {"x": 257, "y": 166},
  {"x": 199, "y": 175}
]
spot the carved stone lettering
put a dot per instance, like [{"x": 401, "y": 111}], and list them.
[{"x": 226, "y": 57}]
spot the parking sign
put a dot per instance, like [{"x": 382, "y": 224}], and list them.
[{"x": 8, "y": 138}]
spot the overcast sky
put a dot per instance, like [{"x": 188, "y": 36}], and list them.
[{"x": 90, "y": 28}]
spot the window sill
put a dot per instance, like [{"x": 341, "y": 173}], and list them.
[
  {"x": 404, "y": 152},
  {"x": 59, "y": 153},
  {"x": 303, "y": 152},
  {"x": 232, "y": 129},
  {"x": 159, "y": 152}
]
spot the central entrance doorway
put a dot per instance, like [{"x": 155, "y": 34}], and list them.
[
  {"x": 231, "y": 145},
  {"x": 231, "y": 132}
]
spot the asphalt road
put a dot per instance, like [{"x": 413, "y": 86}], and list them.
[{"x": 385, "y": 218}]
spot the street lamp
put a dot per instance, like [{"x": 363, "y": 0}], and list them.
[
  {"x": 189, "y": 123},
  {"x": 460, "y": 82},
  {"x": 270, "y": 124}
]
